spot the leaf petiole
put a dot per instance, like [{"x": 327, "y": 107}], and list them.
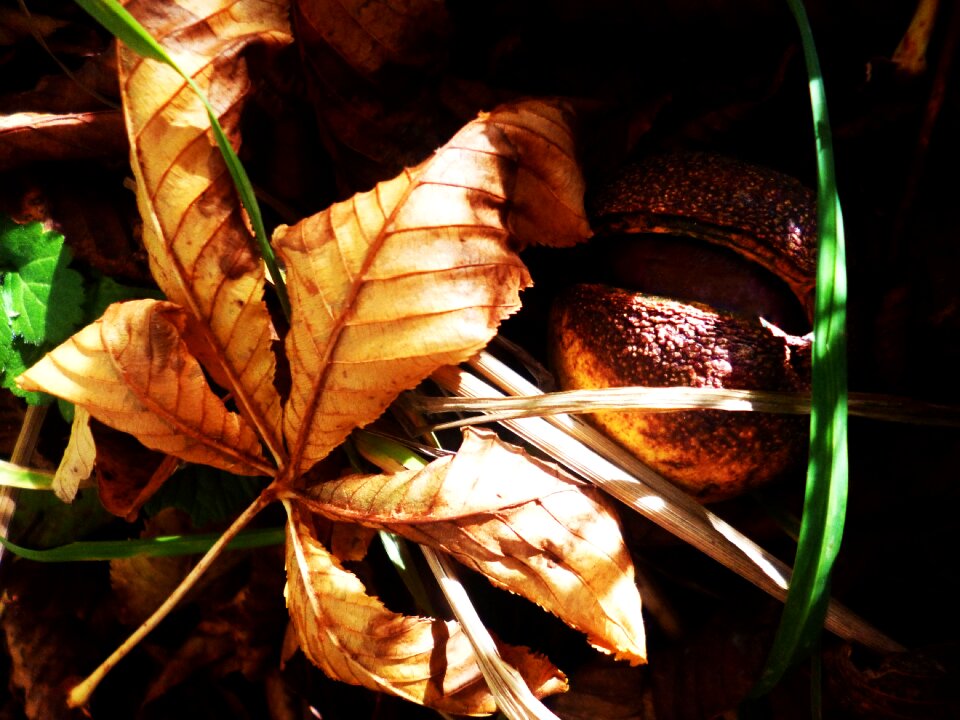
[{"x": 80, "y": 694}]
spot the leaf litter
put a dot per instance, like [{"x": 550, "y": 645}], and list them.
[
  {"x": 386, "y": 117},
  {"x": 385, "y": 288}
]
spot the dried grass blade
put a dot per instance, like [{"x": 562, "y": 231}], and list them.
[
  {"x": 667, "y": 399},
  {"x": 514, "y": 698}
]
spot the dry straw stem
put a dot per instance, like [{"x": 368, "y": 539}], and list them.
[
  {"x": 667, "y": 399},
  {"x": 593, "y": 456},
  {"x": 514, "y": 698}
]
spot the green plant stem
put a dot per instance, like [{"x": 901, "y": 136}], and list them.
[{"x": 21, "y": 478}]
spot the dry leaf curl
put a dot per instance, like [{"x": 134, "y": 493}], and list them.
[
  {"x": 78, "y": 459},
  {"x": 202, "y": 254},
  {"x": 131, "y": 370},
  {"x": 516, "y": 520},
  {"x": 352, "y": 637}
]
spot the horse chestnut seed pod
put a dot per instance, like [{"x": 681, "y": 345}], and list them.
[{"x": 604, "y": 336}]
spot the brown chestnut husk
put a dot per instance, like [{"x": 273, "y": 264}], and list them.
[
  {"x": 607, "y": 337},
  {"x": 604, "y": 336}
]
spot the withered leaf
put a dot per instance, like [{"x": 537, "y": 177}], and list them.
[
  {"x": 50, "y": 627},
  {"x": 353, "y": 638},
  {"x": 31, "y": 137},
  {"x": 76, "y": 465},
  {"x": 141, "y": 583},
  {"x": 239, "y": 634},
  {"x": 418, "y": 272},
  {"x": 605, "y": 690},
  {"x": 369, "y": 35},
  {"x": 373, "y": 70},
  {"x": 132, "y": 371},
  {"x": 518, "y": 521},
  {"x": 201, "y": 252},
  {"x": 127, "y": 473},
  {"x": 58, "y": 93}
]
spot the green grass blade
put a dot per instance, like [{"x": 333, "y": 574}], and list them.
[
  {"x": 166, "y": 546},
  {"x": 826, "y": 494},
  {"x": 125, "y": 27},
  {"x": 396, "y": 548},
  {"x": 248, "y": 199},
  {"x": 16, "y": 476},
  {"x": 399, "y": 553}
]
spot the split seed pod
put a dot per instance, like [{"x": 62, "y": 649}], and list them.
[{"x": 609, "y": 337}]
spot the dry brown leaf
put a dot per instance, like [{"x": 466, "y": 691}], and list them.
[
  {"x": 141, "y": 583},
  {"x": 349, "y": 541},
  {"x": 354, "y": 638},
  {"x": 604, "y": 690},
  {"x": 418, "y": 272},
  {"x": 373, "y": 71},
  {"x": 913, "y": 685},
  {"x": 94, "y": 81},
  {"x": 126, "y": 472},
  {"x": 30, "y": 137},
  {"x": 239, "y": 634},
  {"x": 95, "y": 212},
  {"x": 49, "y": 627},
  {"x": 545, "y": 196},
  {"x": 370, "y": 35},
  {"x": 132, "y": 371},
  {"x": 76, "y": 465},
  {"x": 15, "y": 24},
  {"x": 519, "y": 522},
  {"x": 201, "y": 252}
]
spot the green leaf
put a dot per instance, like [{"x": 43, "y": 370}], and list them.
[
  {"x": 208, "y": 495},
  {"x": 15, "y": 357},
  {"x": 41, "y": 297},
  {"x": 104, "y": 291},
  {"x": 43, "y": 520},
  {"x": 67, "y": 409}
]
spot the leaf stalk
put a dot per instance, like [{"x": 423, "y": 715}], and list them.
[{"x": 79, "y": 695}]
